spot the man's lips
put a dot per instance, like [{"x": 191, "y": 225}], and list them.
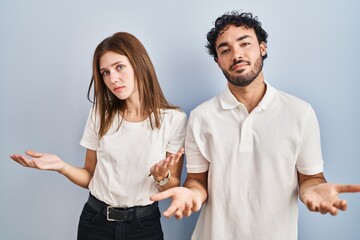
[{"x": 239, "y": 65}]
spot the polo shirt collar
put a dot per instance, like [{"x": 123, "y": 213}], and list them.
[{"x": 228, "y": 100}]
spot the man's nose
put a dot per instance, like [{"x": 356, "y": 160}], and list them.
[{"x": 237, "y": 54}]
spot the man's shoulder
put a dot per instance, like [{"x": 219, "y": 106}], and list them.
[
  {"x": 207, "y": 106},
  {"x": 291, "y": 99},
  {"x": 291, "y": 104}
]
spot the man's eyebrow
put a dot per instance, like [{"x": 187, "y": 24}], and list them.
[
  {"x": 243, "y": 37},
  {"x": 224, "y": 44}
]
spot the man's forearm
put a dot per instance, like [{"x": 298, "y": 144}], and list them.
[
  {"x": 307, "y": 181},
  {"x": 197, "y": 187}
]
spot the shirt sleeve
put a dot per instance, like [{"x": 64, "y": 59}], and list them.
[
  {"x": 177, "y": 135},
  {"x": 90, "y": 139},
  {"x": 310, "y": 159},
  {"x": 195, "y": 161}
]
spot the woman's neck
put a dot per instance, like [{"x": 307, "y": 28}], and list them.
[{"x": 133, "y": 112}]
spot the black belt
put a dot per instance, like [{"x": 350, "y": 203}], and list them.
[{"x": 113, "y": 213}]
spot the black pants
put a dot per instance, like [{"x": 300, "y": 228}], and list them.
[{"x": 94, "y": 226}]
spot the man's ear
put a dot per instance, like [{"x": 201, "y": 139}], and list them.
[
  {"x": 216, "y": 60},
  {"x": 263, "y": 48}
]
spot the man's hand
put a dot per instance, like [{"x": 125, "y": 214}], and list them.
[
  {"x": 324, "y": 198},
  {"x": 184, "y": 201}
]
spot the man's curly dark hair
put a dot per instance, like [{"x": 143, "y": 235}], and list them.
[{"x": 237, "y": 19}]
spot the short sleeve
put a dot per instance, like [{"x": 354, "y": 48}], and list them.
[
  {"x": 310, "y": 159},
  {"x": 195, "y": 161},
  {"x": 177, "y": 133},
  {"x": 90, "y": 139}
]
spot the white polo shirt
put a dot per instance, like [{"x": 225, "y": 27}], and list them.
[
  {"x": 126, "y": 154},
  {"x": 252, "y": 161}
]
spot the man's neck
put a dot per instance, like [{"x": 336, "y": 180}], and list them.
[{"x": 250, "y": 95}]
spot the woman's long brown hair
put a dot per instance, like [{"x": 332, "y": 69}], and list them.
[{"x": 106, "y": 103}]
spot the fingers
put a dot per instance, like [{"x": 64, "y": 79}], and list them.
[
  {"x": 162, "y": 195},
  {"x": 33, "y": 154},
  {"x": 168, "y": 162},
  {"x": 347, "y": 188},
  {"x": 160, "y": 169},
  {"x": 164, "y": 164},
  {"x": 22, "y": 160},
  {"x": 178, "y": 155},
  {"x": 26, "y": 162},
  {"x": 174, "y": 158},
  {"x": 311, "y": 206},
  {"x": 17, "y": 158},
  {"x": 173, "y": 210},
  {"x": 327, "y": 207},
  {"x": 178, "y": 209},
  {"x": 175, "y": 207},
  {"x": 188, "y": 210},
  {"x": 161, "y": 166},
  {"x": 184, "y": 202},
  {"x": 178, "y": 214},
  {"x": 180, "y": 151},
  {"x": 323, "y": 208},
  {"x": 341, "y": 204},
  {"x": 196, "y": 205}
]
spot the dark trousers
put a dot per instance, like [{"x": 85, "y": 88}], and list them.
[{"x": 94, "y": 226}]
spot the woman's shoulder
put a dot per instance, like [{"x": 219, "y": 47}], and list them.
[{"x": 172, "y": 114}]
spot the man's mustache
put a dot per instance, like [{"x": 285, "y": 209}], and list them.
[{"x": 238, "y": 62}]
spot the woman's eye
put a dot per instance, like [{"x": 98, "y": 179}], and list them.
[
  {"x": 119, "y": 67},
  {"x": 104, "y": 73}
]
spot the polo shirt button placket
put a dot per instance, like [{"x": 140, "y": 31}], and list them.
[{"x": 246, "y": 135}]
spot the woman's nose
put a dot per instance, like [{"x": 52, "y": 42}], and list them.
[{"x": 114, "y": 77}]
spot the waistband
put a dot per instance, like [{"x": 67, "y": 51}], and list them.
[{"x": 114, "y": 213}]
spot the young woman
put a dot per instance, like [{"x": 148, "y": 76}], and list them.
[{"x": 132, "y": 133}]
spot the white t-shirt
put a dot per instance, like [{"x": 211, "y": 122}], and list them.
[
  {"x": 252, "y": 161},
  {"x": 126, "y": 154}
]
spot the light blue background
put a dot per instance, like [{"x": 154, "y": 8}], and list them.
[{"x": 46, "y": 51}]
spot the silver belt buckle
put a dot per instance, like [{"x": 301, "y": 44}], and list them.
[{"x": 108, "y": 212}]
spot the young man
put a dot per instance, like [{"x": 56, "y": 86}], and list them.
[{"x": 251, "y": 151}]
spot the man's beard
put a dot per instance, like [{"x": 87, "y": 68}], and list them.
[{"x": 245, "y": 79}]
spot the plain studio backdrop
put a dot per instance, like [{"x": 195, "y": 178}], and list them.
[{"x": 46, "y": 52}]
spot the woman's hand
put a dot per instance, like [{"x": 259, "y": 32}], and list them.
[
  {"x": 160, "y": 170},
  {"x": 42, "y": 161}
]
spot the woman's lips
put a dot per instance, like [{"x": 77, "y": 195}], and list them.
[{"x": 118, "y": 89}]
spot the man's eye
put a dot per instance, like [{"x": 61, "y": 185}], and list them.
[
  {"x": 225, "y": 51},
  {"x": 245, "y": 44}
]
